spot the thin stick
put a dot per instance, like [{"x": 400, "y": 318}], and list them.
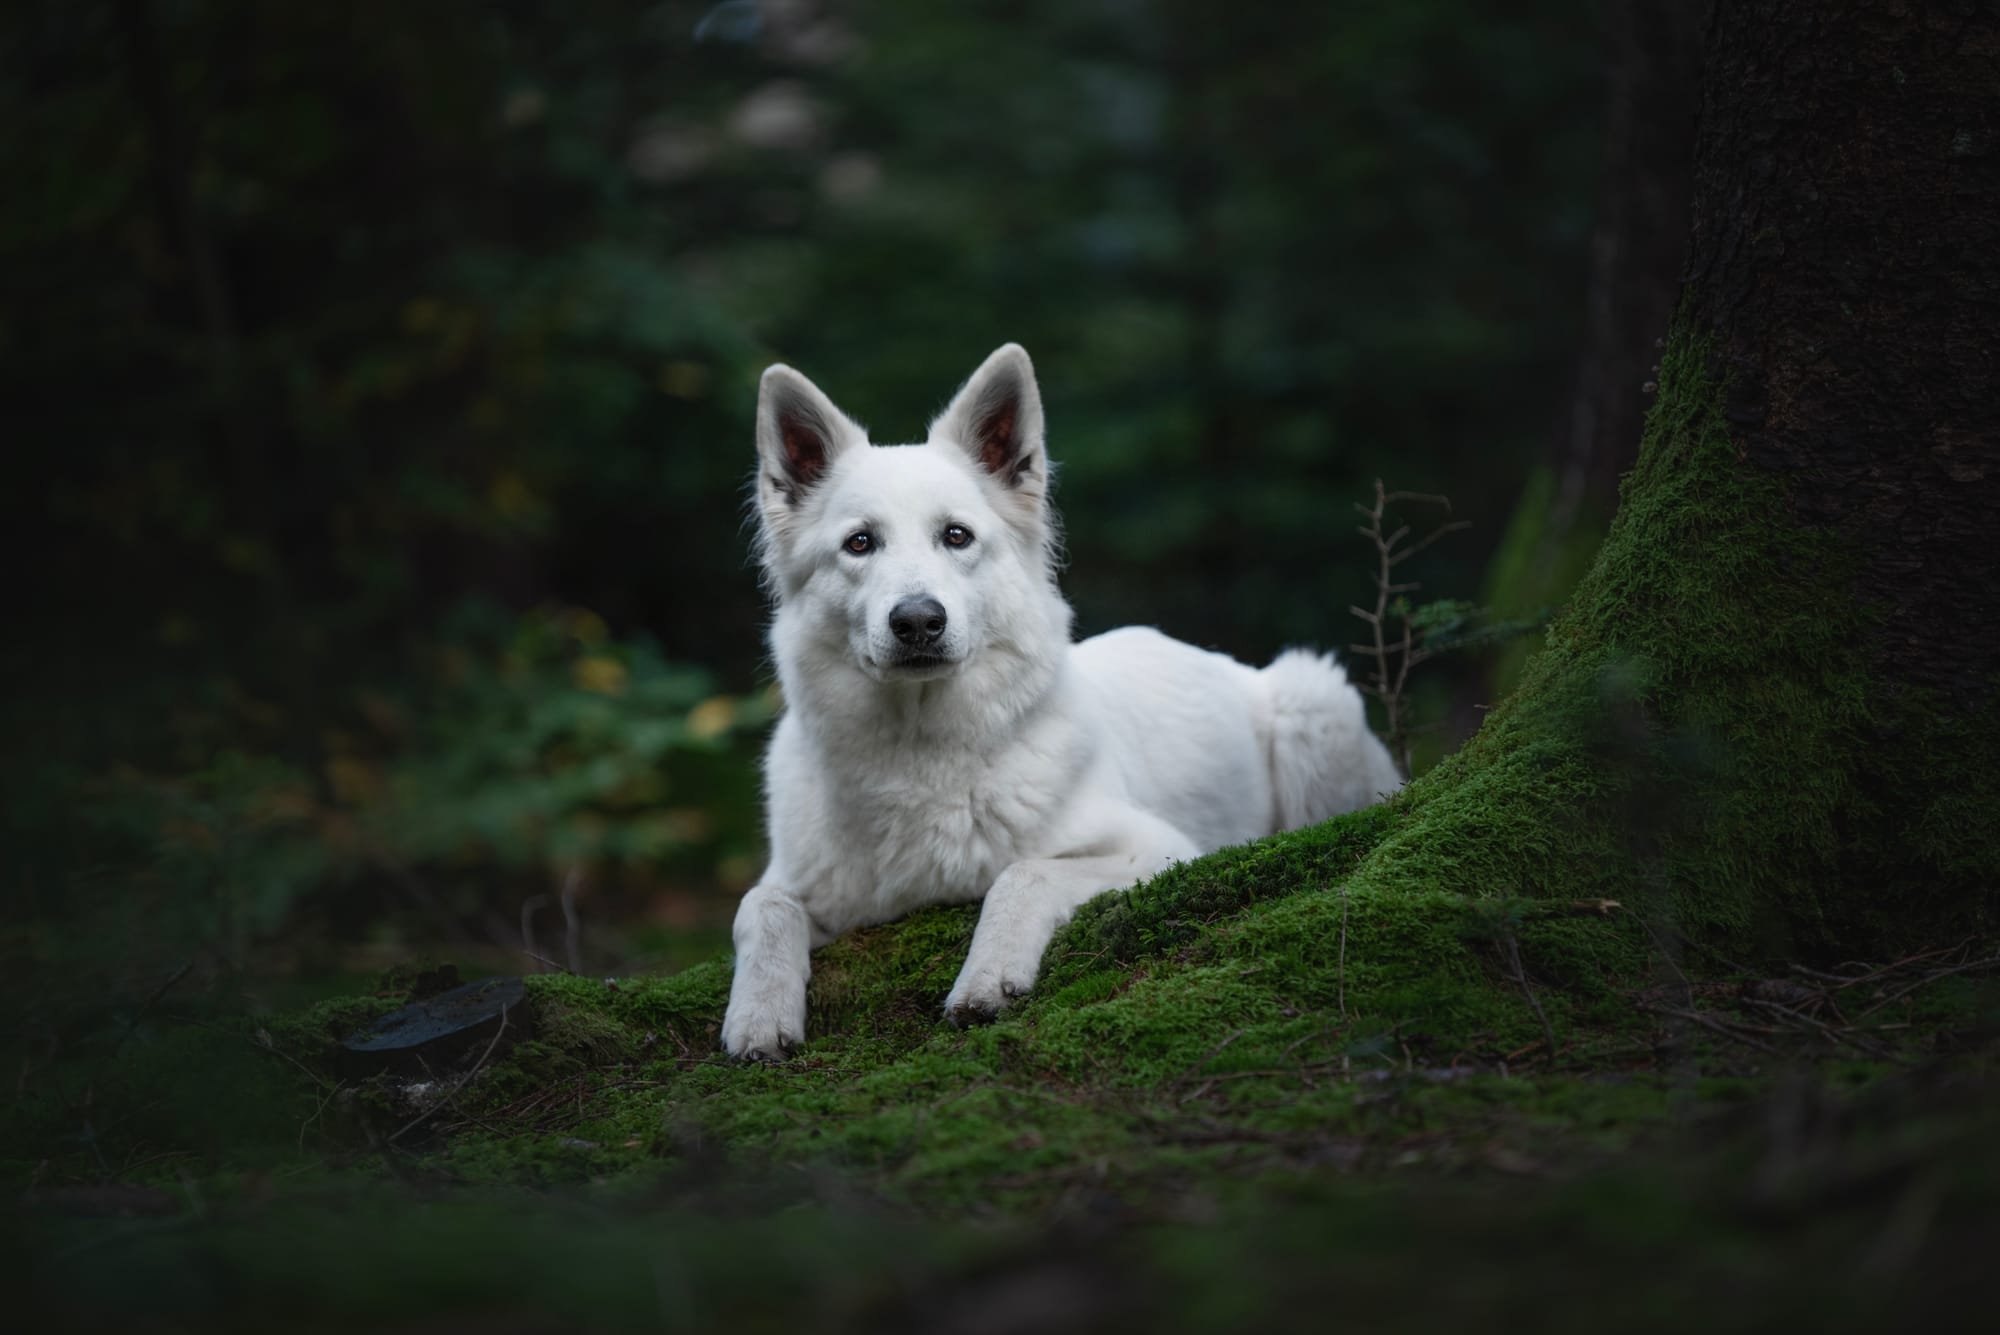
[
  {"x": 1340, "y": 999},
  {"x": 1393, "y": 661},
  {"x": 1933, "y": 976},
  {"x": 1709, "y": 1022},
  {"x": 529, "y": 907},
  {"x": 572, "y": 927},
  {"x": 1521, "y": 976},
  {"x": 262, "y": 1042},
  {"x": 1826, "y": 1031},
  {"x": 463, "y": 1081},
  {"x": 544, "y": 959},
  {"x": 1207, "y": 1057}
]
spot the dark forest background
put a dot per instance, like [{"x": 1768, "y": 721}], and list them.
[{"x": 380, "y": 382}]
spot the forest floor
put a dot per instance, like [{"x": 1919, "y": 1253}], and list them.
[{"x": 1245, "y": 1095}]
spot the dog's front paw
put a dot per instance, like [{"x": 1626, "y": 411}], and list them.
[
  {"x": 757, "y": 1039},
  {"x": 979, "y": 998}
]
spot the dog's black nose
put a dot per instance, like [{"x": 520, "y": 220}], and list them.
[{"x": 917, "y": 621}]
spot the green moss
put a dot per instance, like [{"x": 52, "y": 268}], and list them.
[
  {"x": 312, "y": 1035},
  {"x": 1178, "y": 906},
  {"x": 1231, "y": 979},
  {"x": 890, "y": 980},
  {"x": 1536, "y": 568},
  {"x": 1690, "y": 738}
]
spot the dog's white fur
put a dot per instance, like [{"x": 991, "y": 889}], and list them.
[{"x": 1004, "y": 762}]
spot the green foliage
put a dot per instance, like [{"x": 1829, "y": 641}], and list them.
[
  {"x": 528, "y": 747},
  {"x": 551, "y": 743}
]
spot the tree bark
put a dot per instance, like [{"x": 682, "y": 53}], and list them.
[
  {"x": 1638, "y": 249},
  {"x": 1638, "y": 252},
  {"x": 1846, "y": 256}
]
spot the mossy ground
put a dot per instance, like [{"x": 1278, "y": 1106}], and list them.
[
  {"x": 1225, "y": 1109},
  {"x": 1249, "y": 1089},
  {"x": 1416, "y": 1024}
]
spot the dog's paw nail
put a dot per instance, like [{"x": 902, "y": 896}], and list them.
[
  {"x": 1011, "y": 990},
  {"x": 772, "y": 1053},
  {"x": 966, "y": 1014}
]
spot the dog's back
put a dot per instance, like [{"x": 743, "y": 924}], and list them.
[
  {"x": 1180, "y": 726},
  {"x": 1226, "y": 752}
]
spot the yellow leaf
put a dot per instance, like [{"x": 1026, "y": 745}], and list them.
[
  {"x": 684, "y": 380},
  {"x": 485, "y": 413},
  {"x": 353, "y": 780},
  {"x": 606, "y": 676},
  {"x": 511, "y": 497},
  {"x": 422, "y": 314},
  {"x": 711, "y": 718},
  {"x": 586, "y": 625},
  {"x": 247, "y": 556}
]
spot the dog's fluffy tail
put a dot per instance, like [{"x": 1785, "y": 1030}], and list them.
[{"x": 1324, "y": 759}]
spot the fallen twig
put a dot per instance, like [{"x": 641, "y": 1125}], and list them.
[
  {"x": 1990, "y": 962},
  {"x": 1709, "y": 1022},
  {"x": 453, "y": 1093},
  {"x": 1513, "y": 950}
]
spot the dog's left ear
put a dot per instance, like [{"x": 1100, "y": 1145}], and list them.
[{"x": 996, "y": 417}]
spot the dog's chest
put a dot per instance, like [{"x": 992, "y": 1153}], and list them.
[
  {"x": 921, "y": 825},
  {"x": 941, "y": 828}
]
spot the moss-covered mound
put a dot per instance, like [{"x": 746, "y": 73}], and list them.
[{"x": 1258, "y": 968}]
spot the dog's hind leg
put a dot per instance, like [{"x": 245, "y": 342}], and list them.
[
  {"x": 1031, "y": 899},
  {"x": 767, "y": 997}
]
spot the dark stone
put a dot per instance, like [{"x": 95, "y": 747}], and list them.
[{"x": 441, "y": 1034}]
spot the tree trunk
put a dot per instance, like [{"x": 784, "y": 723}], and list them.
[
  {"x": 1638, "y": 251},
  {"x": 1769, "y": 712},
  {"x": 1846, "y": 259}
]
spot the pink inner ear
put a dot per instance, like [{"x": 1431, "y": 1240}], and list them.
[
  {"x": 997, "y": 446},
  {"x": 805, "y": 451}
]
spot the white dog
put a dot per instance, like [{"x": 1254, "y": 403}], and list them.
[{"x": 943, "y": 739}]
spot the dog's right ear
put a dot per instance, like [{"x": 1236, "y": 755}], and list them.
[{"x": 799, "y": 435}]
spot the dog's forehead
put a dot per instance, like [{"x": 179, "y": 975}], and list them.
[{"x": 905, "y": 478}]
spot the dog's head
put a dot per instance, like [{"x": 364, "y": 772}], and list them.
[{"x": 917, "y": 557}]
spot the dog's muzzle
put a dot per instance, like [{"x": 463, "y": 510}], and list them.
[{"x": 917, "y": 623}]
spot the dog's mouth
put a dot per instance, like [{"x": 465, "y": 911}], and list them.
[{"x": 919, "y": 665}]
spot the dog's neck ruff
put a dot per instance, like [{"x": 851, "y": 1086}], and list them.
[
  {"x": 850, "y": 711},
  {"x": 1012, "y": 677}
]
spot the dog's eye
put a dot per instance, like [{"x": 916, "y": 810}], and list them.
[
  {"x": 957, "y": 535},
  {"x": 860, "y": 543}
]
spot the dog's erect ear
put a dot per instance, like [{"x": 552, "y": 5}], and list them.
[
  {"x": 799, "y": 435},
  {"x": 997, "y": 419}
]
